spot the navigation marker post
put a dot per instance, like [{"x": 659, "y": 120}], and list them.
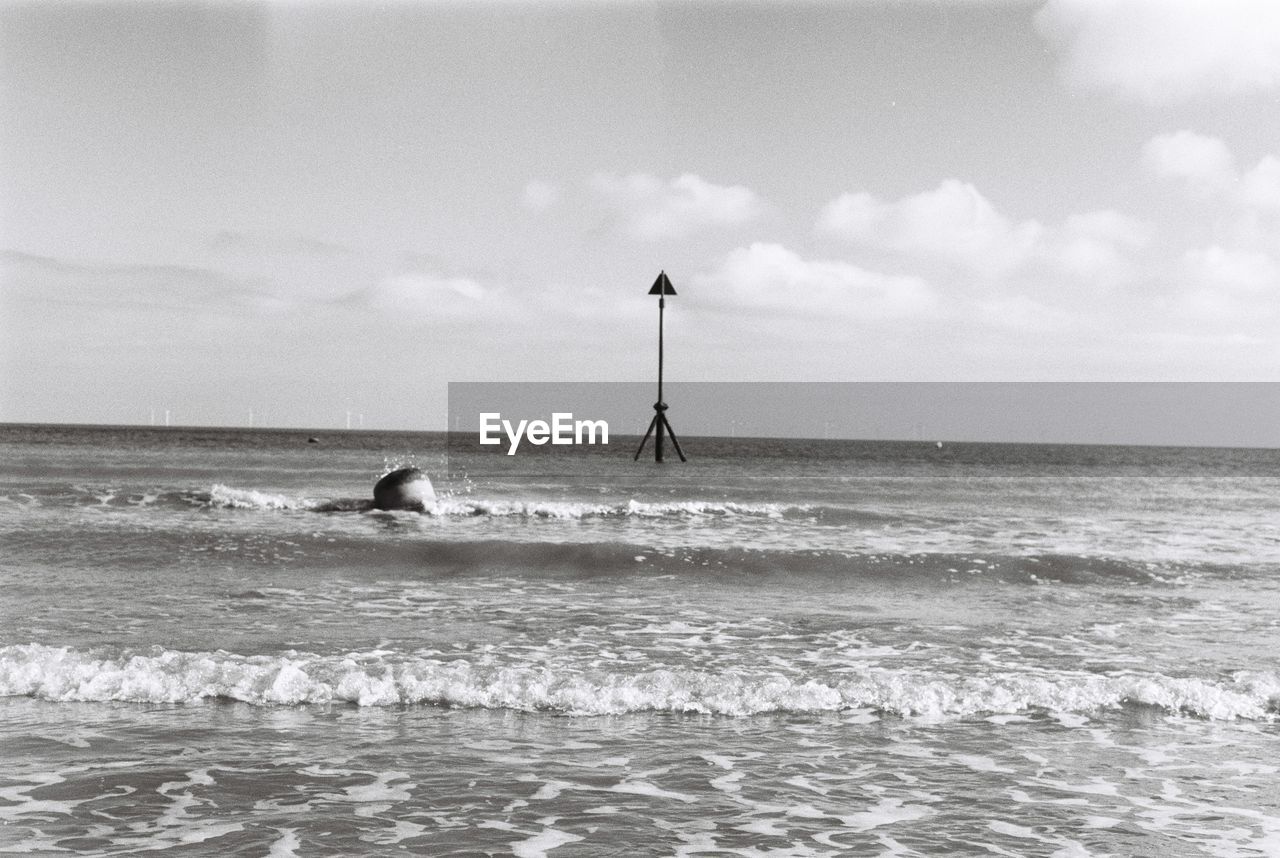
[{"x": 661, "y": 287}]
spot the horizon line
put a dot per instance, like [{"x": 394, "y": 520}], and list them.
[{"x": 933, "y": 442}]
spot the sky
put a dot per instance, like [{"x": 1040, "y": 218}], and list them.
[{"x": 301, "y": 210}]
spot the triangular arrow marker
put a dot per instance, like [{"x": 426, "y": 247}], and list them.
[{"x": 662, "y": 286}]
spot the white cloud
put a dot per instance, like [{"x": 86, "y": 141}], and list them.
[
  {"x": 1109, "y": 227},
  {"x": 650, "y": 208},
  {"x": 43, "y": 280},
  {"x": 1204, "y": 162},
  {"x": 1236, "y": 281},
  {"x": 540, "y": 195},
  {"x": 1207, "y": 165},
  {"x": 1236, "y": 271},
  {"x": 1160, "y": 50},
  {"x": 953, "y": 222},
  {"x": 412, "y": 296},
  {"x": 769, "y": 276},
  {"x": 1098, "y": 246},
  {"x": 957, "y": 224},
  {"x": 1260, "y": 187},
  {"x": 1226, "y": 285}
]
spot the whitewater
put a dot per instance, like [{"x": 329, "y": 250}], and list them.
[{"x": 210, "y": 641}]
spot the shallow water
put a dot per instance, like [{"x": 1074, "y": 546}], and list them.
[{"x": 780, "y": 648}]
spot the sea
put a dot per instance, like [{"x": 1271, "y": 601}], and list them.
[{"x": 211, "y": 644}]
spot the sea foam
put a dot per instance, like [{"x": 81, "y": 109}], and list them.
[
  {"x": 227, "y": 497},
  {"x": 232, "y": 498},
  {"x": 383, "y": 678}
]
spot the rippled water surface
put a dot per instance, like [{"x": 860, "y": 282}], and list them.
[{"x": 208, "y": 643}]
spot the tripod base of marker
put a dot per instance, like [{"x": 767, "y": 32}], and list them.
[{"x": 661, "y": 426}]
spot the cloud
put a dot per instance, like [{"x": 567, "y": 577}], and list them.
[
  {"x": 954, "y": 222},
  {"x": 412, "y": 296},
  {"x": 33, "y": 278},
  {"x": 1162, "y": 50},
  {"x": 1206, "y": 165},
  {"x": 1203, "y": 162},
  {"x": 957, "y": 225},
  {"x": 540, "y": 195},
  {"x": 771, "y": 277},
  {"x": 1227, "y": 285},
  {"x": 408, "y": 295},
  {"x": 273, "y": 244},
  {"x": 1260, "y": 187},
  {"x": 650, "y": 209},
  {"x": 1110, "y": 227},
  {"x": 1097, "y": 246},
  {"x": 1236, "y": 282},
  {"x": 1238, "y": 272}
]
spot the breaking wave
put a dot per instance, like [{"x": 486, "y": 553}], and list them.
[
  {"x": 228, "y": 498},
  {"x": 382, "y": 678},
  {"x": 221, "y": 496}
]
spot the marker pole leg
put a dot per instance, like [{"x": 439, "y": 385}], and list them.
[
  {"x": 645, "y": 440},
  {"x": 672, "y": 433}
]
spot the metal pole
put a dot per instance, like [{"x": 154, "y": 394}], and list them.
[
  {"x": 662, "y": 304},
  {"x": 657, "y": 439}
]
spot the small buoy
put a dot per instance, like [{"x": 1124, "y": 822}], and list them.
[{"x": 939, "y": 445}]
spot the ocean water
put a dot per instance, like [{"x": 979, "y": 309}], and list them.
[{"x": 209, "y": 645}]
